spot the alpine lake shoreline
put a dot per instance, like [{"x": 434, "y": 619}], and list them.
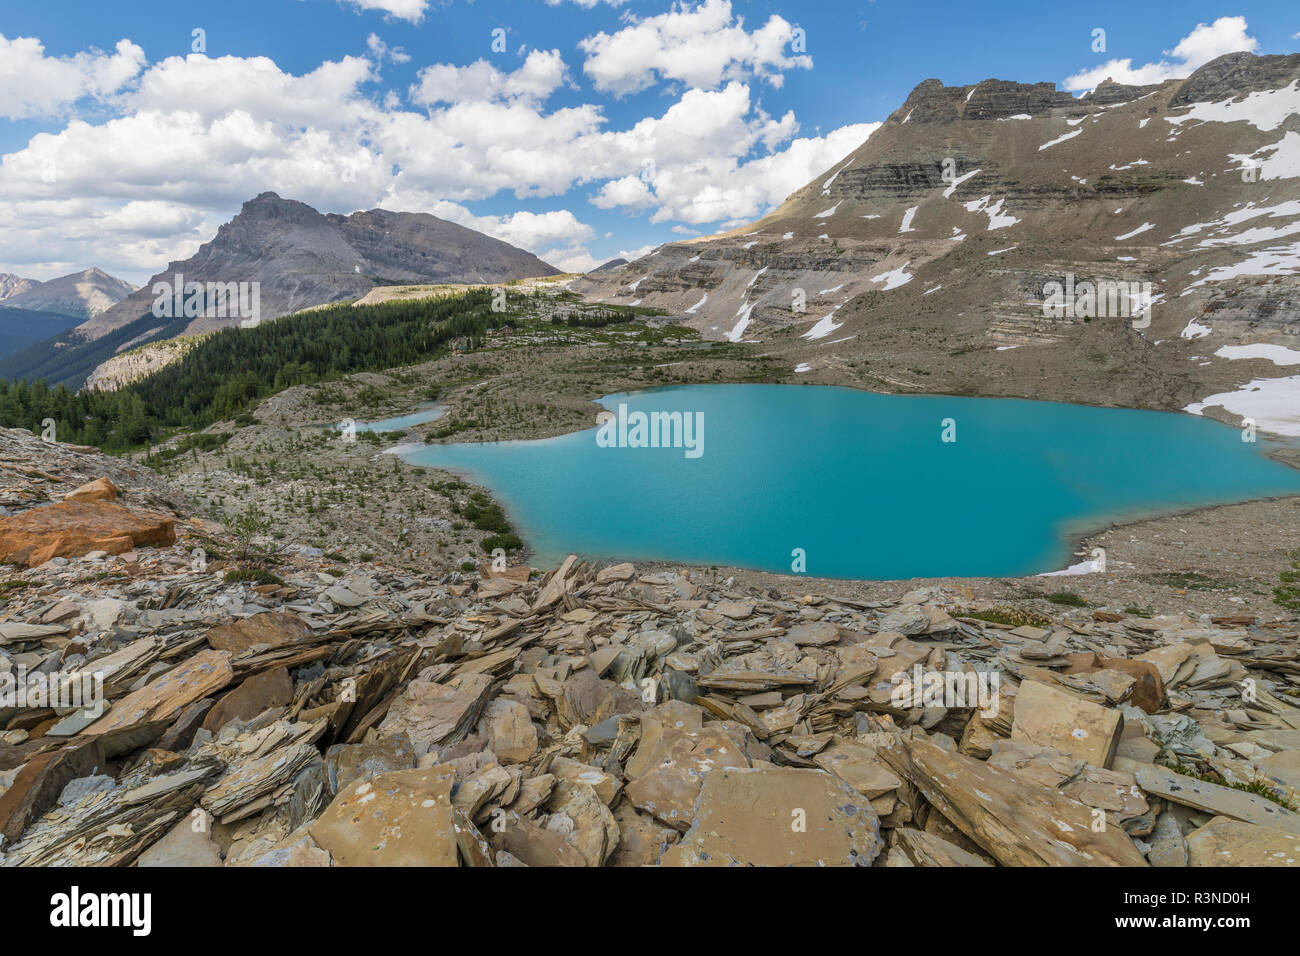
[{"x": 535, "y": 384}]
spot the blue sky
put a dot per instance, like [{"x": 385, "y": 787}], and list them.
[{"x": 602, "y": 128}]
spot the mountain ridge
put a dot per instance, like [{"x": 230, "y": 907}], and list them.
[
  {"x": 938, "y": 237},
  {"x": 299, "y": 258},
  {"x": 83, "y": 294}
]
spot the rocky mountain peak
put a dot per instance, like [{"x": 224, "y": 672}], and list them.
[
  {"x": 299, "y": 258},
  {"x": 932, "y": 102},
  {"x": 1236, "y": 74}
]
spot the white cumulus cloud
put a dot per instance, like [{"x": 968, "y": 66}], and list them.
[
  {"x": 33, "y": 84},
  {"x": 172, "y": 149},
  {"x": 412, "y": 10},
  {"x": 540, "y": 75},
  {"x": 1205, "y": 43},
  {"x": 702, "y": 46}
]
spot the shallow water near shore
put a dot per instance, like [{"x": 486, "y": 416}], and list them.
[
  {"x": 863, "y": 485},
  {"x": 402, "y": 422}
]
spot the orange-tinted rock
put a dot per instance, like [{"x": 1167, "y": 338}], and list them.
[
  {"x": 273, "y": 628},
  {"x": 167, "y": 695},
  {"x": 40, "y": 782},
  {"x": 259, "y": 693},
  {"x": 1148, "y": 692},
  {"x": 101, "y": 489},
  {"x": 70, "y": 529}
]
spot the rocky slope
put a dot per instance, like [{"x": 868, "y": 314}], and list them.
[
  {"x": 86, "y": 294},
  {"x": 135, "y": 364},
  {"x": 302, "y": 258},
  {"x": 602, "y": 716},
  {"x": 922, "y": 261},
  {"x": 11, "y": 284},
  {"x": 298, "y": 258}
]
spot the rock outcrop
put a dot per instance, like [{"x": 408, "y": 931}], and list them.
[{"x": 70, "y": 529}]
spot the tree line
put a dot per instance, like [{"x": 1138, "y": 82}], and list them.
[{"x": 227, "y": 373}]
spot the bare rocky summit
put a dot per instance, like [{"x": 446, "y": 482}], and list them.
[
  {"x": 87, "y": 293},
  {"x": 304, "y": 258},
  {"x": 11, "y": 285}
]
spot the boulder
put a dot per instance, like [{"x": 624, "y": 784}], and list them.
[
  {"x": 261, "y": 692},
  {"x": 101, "y": 489},
  {"x": 70, "y": 529}
]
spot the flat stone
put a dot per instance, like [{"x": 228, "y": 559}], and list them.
[
  {"x": 860, "y": 768},
  {"x": 605, "y": 785},
  {"x": 403, "y": 818},
  {"x": 183, "y": 846},
  {"x": 509, "y": 730},
  {"x": 15, "y": 631},
  {"x": 1212, "y": 798},
  {"x": 778, "y": 816},
  {"x": 908, "y": 620},
  {"x": 1113, "y": 683},
  {"x": 1227, "y": 842},
  {"x": 40, "y": 782},
  {"x": 433, "y": 714},
  {"x": 1168, "y": 659},
  {"x": 1015, "y": 820},
  {"x": 344, "y": 597},
  {"x": 678, "y": 764},
  {"x": 1283, "y": 767},
  {"x": 533, "y": 845},
  {"x": 1029, "y": 633},
  {"x": 590, "y": 827},
  {"x": 617, "y": 572},
  {"x": 1168, "y": 848},
  {"x": 814, "y": 634},
  {"x": 736, "y": 610},
  {"x": 272, "y": 628},
  {"x": 927, "y": 849},
  {"x": 181, "y": 733},
  {"x": 1052, "y": 718},
  {"x": 61, "y": 611},
  {"x": 167, "y": 695},
  {"x": 102, "y": 614},
  {"x": 642, "y": 839},
  {"x": 588, "y": 700},
  {"x": 345, "y": 763}
]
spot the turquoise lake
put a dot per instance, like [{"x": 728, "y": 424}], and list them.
[
  {"x": 403, "y": 422},
  {"x": 864, "y": 484}
]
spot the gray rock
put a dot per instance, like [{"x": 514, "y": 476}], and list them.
[{"x": 77, "y": 790}]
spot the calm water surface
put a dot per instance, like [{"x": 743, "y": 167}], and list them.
[{"x": 864, "y": 484}]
